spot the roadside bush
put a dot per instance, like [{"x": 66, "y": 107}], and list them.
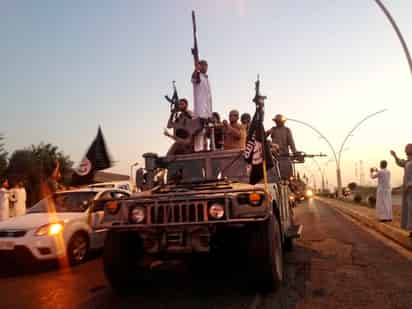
[{"x": 357, "y": 198}]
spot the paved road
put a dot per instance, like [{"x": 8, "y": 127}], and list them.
[{"x": 336, "y": 264}]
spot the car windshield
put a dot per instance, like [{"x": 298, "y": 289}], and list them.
[
  {"x": 233, "y": 168},
  {"x": 64, "y": 202}
]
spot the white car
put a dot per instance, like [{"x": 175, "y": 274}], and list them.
[
  {"x": 63, "y": 225},
  {"x": 123, "y": 185}
]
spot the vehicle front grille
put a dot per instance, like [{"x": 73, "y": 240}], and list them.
[
  {"x": 12, "y": 233},
  {"x": 191, "y": 212}
]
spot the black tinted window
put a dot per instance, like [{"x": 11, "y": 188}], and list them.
[{"x": 186, "y": 171}]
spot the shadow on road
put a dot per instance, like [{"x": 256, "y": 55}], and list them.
[
  {"x": 216, "y": 285},
  {"x": 10, "y": 267}
]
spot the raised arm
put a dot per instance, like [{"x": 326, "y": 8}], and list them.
[
  {"x": 399, "y": 162},
  {"x": 196, "y": 75},
  {"x": 170, "y": 122}
]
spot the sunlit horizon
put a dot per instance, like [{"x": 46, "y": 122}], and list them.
[{"x": 72, "y": 67}]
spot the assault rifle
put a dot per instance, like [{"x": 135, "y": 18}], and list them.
[
  {"x": 195, "y": 50},
  {"x": 174, "y": 100},
  {"x": 258, "y": 97}
]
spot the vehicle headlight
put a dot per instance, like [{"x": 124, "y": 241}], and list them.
[
  {"x": 291, "y": 198},
  {"x": 137, "y": 215},
  {"x": 216, "y": 211},
  {"x": 309, "y": 193},
  {"x": 255, "y": 199},
  {"x": 49, "y": 229}
]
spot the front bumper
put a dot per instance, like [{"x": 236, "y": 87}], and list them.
[{"x": 32, "y": 247}]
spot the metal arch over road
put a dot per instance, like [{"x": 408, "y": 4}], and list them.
[
  {"x": 337, "y": 156},
  {"x": 353, "y": 130}
]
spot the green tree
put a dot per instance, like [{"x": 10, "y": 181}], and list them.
[
  {"x": 3, "y": 158},
  {"x": 35, "y": 165}
]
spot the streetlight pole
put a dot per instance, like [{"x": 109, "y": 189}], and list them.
[
  {"x": 398, "y": 32},
  {"x": 338, "y": 173},
  {"x": 321, "y": 172},
  {"x": 357, "y": 125},
  {"x": 338, "y": 156}
]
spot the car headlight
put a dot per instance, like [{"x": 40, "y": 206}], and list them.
[
  {"x": 49, "y": 229},
  {"x": 255, "y": 199},
  {"x": 291, "y": 198},
  {"x": 216, "y": 211},
  {"x": 137, "y": 215},
  {"x": 309, "y": 193}
]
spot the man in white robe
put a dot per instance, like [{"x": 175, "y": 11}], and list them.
[
  {"x": 202, "y": 98},
  {"x": 20, "y": 203},
  {"x": 406, "y": 216},
  {"x": 383, "y": 193},
  {"x": 4, "y": 201}
]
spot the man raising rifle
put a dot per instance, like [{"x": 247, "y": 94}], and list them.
[{"x": 202, "y": 95}]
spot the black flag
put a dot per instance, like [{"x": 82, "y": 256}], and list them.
[
  {"x": 257, "y": 148},
  {"x": 97, "y": 158}
]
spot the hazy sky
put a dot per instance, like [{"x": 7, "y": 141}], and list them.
[{"x": 67, "y": 67}]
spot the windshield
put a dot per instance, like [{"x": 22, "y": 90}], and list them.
[
  {"x": 234, "y": 168},
  {"x": 64, "y": 202},
  {"x": 186, "y": 171}
]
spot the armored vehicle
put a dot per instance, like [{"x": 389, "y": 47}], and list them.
[{"x": 198, "y": 203}]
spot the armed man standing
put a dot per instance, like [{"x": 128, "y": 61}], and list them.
[
  {"x": 282, "y": 144},
  {"x": 202, "y": 95}
]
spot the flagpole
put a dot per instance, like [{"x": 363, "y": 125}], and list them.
[
  {"x": 265, "y": 173},
  {"x": 259, "y": 107}
]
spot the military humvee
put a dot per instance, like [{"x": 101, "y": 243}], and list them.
[{"x": 190, "y": 204}]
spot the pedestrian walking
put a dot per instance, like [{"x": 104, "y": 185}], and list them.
[
  {"x": 383, "y": 193},
  {"x": 406, "y": 216},
  {"x": 4, "y": 200}
]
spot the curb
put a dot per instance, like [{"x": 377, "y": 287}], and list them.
[{"x": 399, "y": 236}]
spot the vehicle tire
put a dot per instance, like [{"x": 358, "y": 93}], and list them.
[
  {"x": 78, "y": 248},
  {"x": 122, "y": 253},
  {"x": 265, "y": 254}
]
